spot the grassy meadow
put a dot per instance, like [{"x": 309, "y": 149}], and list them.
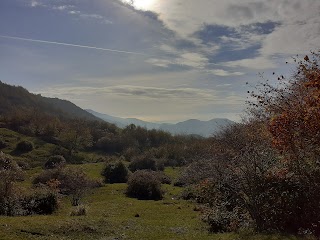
[{"x": 110, "y": 214}]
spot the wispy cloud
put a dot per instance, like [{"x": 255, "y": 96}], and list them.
[
  {"x": 82, "y": 15},
  {"x": 35, "y": 3},
  {"x": 224, "y": 73},
  {"x": 69, "y": 9},
  {"x": 63, "y": 7},
  {"x": 137, "y": 92},
  {"x": 194, "y": 61},
  {"x": 258, "y": 63}
]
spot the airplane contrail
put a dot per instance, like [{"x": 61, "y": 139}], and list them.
[{"x": 71, "y": 45}]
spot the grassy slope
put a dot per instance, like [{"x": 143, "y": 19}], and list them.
[
  {"x": 42, "y": 150},
  {"x": 36, "y": 157}
]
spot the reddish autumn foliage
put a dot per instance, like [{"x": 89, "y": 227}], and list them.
[{"x": 292, "y": 110}]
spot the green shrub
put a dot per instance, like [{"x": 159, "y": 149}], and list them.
[
  {"x": 142, "y": 162},
  {"x": 58, "y": 150},
  {"x": 130, "y": 153},
  {"x": 189, "y": 192},
  {"x": 55, "y": 162},
  {"x": 278, "y": 201},
  {"x": 144, "y": 185},
  {"x": 76, "y": 159},
  {"x": 10, "y": 205},
  {"x": 23, "y": 164},
  {"x": 50, "y": 174},
  {"x": 10, "y": 173},
  {"x": 160, "y": 164},
  {"x": 24, "y": 146},
  {"x": 222, "y": 219},
  {"x": 163, "y": 178},
  {"x": 3, "y": 144},
  {"x": 41, "y": 201},
  {"x": 72, "y": 181},
  {"x": 289, "y": 203},
  {"x": 115, "y": 172}
]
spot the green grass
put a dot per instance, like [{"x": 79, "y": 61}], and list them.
[
  {"x": 42, "y": 150},
  {"x": 111, "y": 215},
  {"x": 172, "y": 172},
  {"x": 93, "y": 170}
]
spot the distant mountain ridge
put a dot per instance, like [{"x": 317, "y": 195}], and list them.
[
  {"x": 16, "y": 97},
  {"x": 188, "y": 127}
]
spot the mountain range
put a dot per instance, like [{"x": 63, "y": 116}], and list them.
[
  {"x": 190, "y": 127},
  {"x": 16, "y": 97}
]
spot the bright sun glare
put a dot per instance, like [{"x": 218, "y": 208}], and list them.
[{"x": 141, "y": 4}]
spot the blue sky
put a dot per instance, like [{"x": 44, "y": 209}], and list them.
[{"x": 157, "y": 60}]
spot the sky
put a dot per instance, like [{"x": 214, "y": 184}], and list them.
[{"x": 156, "y": 60}]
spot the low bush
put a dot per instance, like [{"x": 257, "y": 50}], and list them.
[
  {"x": 10, "y": 205},
  {"x": 23, "y": 164},
  {"x": 55, "y": 162},
  {"x": 189, "y": 193},
  {"x": 10, "y": 173},
  {"x": 24, "y": 146},
  {"x": 144, "y": 185},
  {"x": 15, "y": 200},
  {"x": 80, "y": 210},
  {"x": 71, "y": 181},
  {"x": 3, "y": 144},
  {"x": 115, "y": 172},
  {"x": 130, "y": 153},
  {"x": 76, "y": 159},
  {"x": 142, "y": 162},
  {"x": 163, "y": 178},
  {"x": 222, "y": 219},
  {"x": 41, "y": 201},
  {"x": 289, "y": 203}
]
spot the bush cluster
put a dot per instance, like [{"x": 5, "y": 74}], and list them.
[
  {"x": 3, "y": 144},
  {"x": 163, "y": 178},
  {"x": 115, "y": 172},
  {"x": 14, "y": 201},
  {"x": 24, "y": 146},
  {"x": 70, "y": 181},
  {"x": 141, "y": 162},
  {"x": 41, "y": 201},
  {"x": 247, "y": 186},
  {"x": 145, "y": 185},
  {"x": 56, "y": 161}
]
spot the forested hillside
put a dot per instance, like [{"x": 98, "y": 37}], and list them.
[{"x": 16, "y": 97}]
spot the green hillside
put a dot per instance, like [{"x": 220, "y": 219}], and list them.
[{"x": 13, "y": 97}]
